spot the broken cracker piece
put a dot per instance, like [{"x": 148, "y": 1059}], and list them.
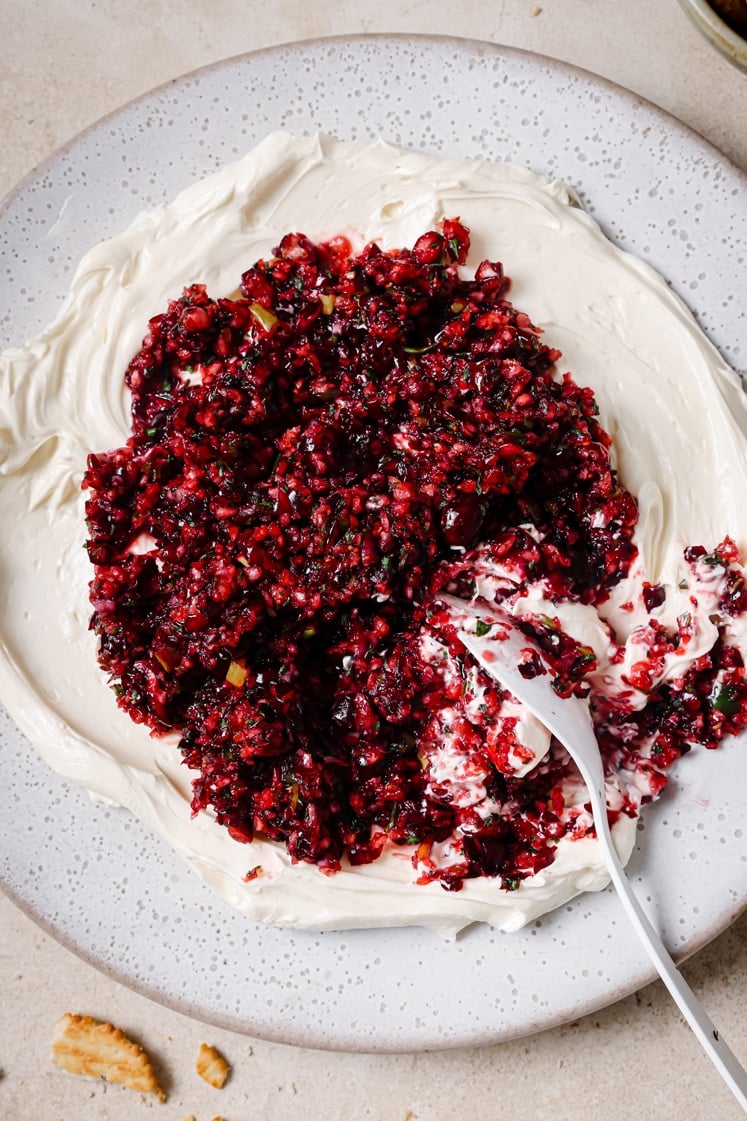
[
  {"x": 82, "y": 1045},
  {"x": 212, "y": 1066}
]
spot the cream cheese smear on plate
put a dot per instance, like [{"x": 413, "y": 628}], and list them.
[{"x": 676, "y": 413}]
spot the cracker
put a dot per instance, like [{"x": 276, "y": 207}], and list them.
[
  {"x": 212, "y": 1066},
  {"x": 82, "y": 1045}
]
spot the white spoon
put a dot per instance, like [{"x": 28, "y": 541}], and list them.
[{"x": 500, "y": 652}]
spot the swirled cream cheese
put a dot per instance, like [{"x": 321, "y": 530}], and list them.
[{"x": 675, "y": 411}]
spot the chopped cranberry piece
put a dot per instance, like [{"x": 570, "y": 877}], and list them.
[
  {"x": 531, "y": 666},
  {"x": 653, "y": 595}
]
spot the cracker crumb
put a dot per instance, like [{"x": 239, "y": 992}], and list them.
[
  {"x": 82, "y": 1045},
  {"x": 211, "y": 1066}
]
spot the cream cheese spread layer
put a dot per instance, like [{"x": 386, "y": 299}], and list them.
[{"x": 675, "y": 411}]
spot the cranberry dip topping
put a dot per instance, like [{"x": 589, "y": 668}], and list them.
[{"x": 311, "y": 462}]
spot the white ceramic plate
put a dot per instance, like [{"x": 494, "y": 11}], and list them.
[{"x": 117, "y": 895}]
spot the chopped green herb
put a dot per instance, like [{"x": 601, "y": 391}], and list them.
[{"x": 725, "y": 700}]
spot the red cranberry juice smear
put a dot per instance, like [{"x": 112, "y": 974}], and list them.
[{"x": 310, "y": 464}]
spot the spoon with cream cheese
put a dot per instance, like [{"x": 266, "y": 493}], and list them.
[{"x": 494, "y": 640}]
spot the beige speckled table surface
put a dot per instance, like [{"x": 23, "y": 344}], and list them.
[{"x": 65, "y": 63}]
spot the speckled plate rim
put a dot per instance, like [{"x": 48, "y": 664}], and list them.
[
  {"x": 479, "y": 45},
  {"x": 313, "y": 1038}
]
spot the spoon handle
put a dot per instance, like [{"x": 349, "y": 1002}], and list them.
[{"x": 711, "y": 1040}]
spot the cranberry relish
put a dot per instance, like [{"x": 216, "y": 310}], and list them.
[{"x": 310, "y": 463}]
